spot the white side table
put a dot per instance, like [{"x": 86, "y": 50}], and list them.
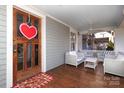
[{"x": 90, "y": 62}]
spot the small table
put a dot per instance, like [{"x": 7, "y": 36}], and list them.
[{"x": 90, "y": 62}]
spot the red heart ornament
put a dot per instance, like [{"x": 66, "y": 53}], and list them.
[{"x": 28, "y": 31}]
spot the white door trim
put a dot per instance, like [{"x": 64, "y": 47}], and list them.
[{"x": 9, "y": 46}]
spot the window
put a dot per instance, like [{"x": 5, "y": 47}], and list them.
[
  {"x": 73, "y": 41},
  {"x": 29, "y": 55},
  {"x": 36, "y": 54},
  {"x": 20, "y": 57},
  {"x": 19, "y": 21},
  {"x": 36, "y": 23},
  {"x": 87, "y": 41},
  {"x": 98, "y": 41}
]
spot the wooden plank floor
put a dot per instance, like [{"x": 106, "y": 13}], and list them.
[{"x": 67, "y": 76}]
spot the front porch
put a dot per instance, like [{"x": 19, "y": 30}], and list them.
[
  {"x": 67, "y": 76},
  {"x": 22, "y": 59}
]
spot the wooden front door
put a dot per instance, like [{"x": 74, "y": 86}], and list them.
[{"x": 26, "y": 53}]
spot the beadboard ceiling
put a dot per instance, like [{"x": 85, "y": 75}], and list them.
[{"x": 82, "y": 17}]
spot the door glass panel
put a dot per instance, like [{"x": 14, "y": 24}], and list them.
[
  {"x": 36, "y": 25},
  {"x": 20, "y": 57},
  {"x": 19, "y": 21},
  {"x": 36, "y": 54},
  {"x": 29, "y": 55}
]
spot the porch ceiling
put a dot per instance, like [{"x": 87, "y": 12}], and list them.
[{"x": 82, "y": 17}]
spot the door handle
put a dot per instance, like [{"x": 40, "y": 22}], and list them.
[{"x": 14, "y": 49}]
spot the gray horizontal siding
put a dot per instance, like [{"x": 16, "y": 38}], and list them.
[
  {"x": 2, "y": 46},
  {"x": 2, "y": 27},
  {"x": 57, "y": 43},
  {"x": 2, "y": 12},
  {"x": 2, "y": 19}
]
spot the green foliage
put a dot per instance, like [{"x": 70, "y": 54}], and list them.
[{"x": 110, "y": 46}]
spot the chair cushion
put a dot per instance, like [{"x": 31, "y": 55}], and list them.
[
  {"x": 79, "y": 59},
  {"x": 72, "y": 53},
  {"x": 120, "y": 56}
]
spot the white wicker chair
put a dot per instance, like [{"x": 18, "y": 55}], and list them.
[
  {"x": 114, "y": 65},
  {"x": 74, "y": 58}
]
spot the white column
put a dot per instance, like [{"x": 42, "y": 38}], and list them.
[
  {"x": 9, "y": 46},
  {"x": 43, "y": 44}
]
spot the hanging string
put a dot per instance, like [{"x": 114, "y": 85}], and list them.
[{"x": 29, "y": 19}]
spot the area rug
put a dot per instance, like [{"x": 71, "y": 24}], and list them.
[{"x": 38, "y": 81}]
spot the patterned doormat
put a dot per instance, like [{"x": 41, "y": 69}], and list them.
[{"x": 38, "y": 81}]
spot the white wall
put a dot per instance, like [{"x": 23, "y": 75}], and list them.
[
  {"x": 119, "y": 39},
  {"x": 122, "y": 24}
]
